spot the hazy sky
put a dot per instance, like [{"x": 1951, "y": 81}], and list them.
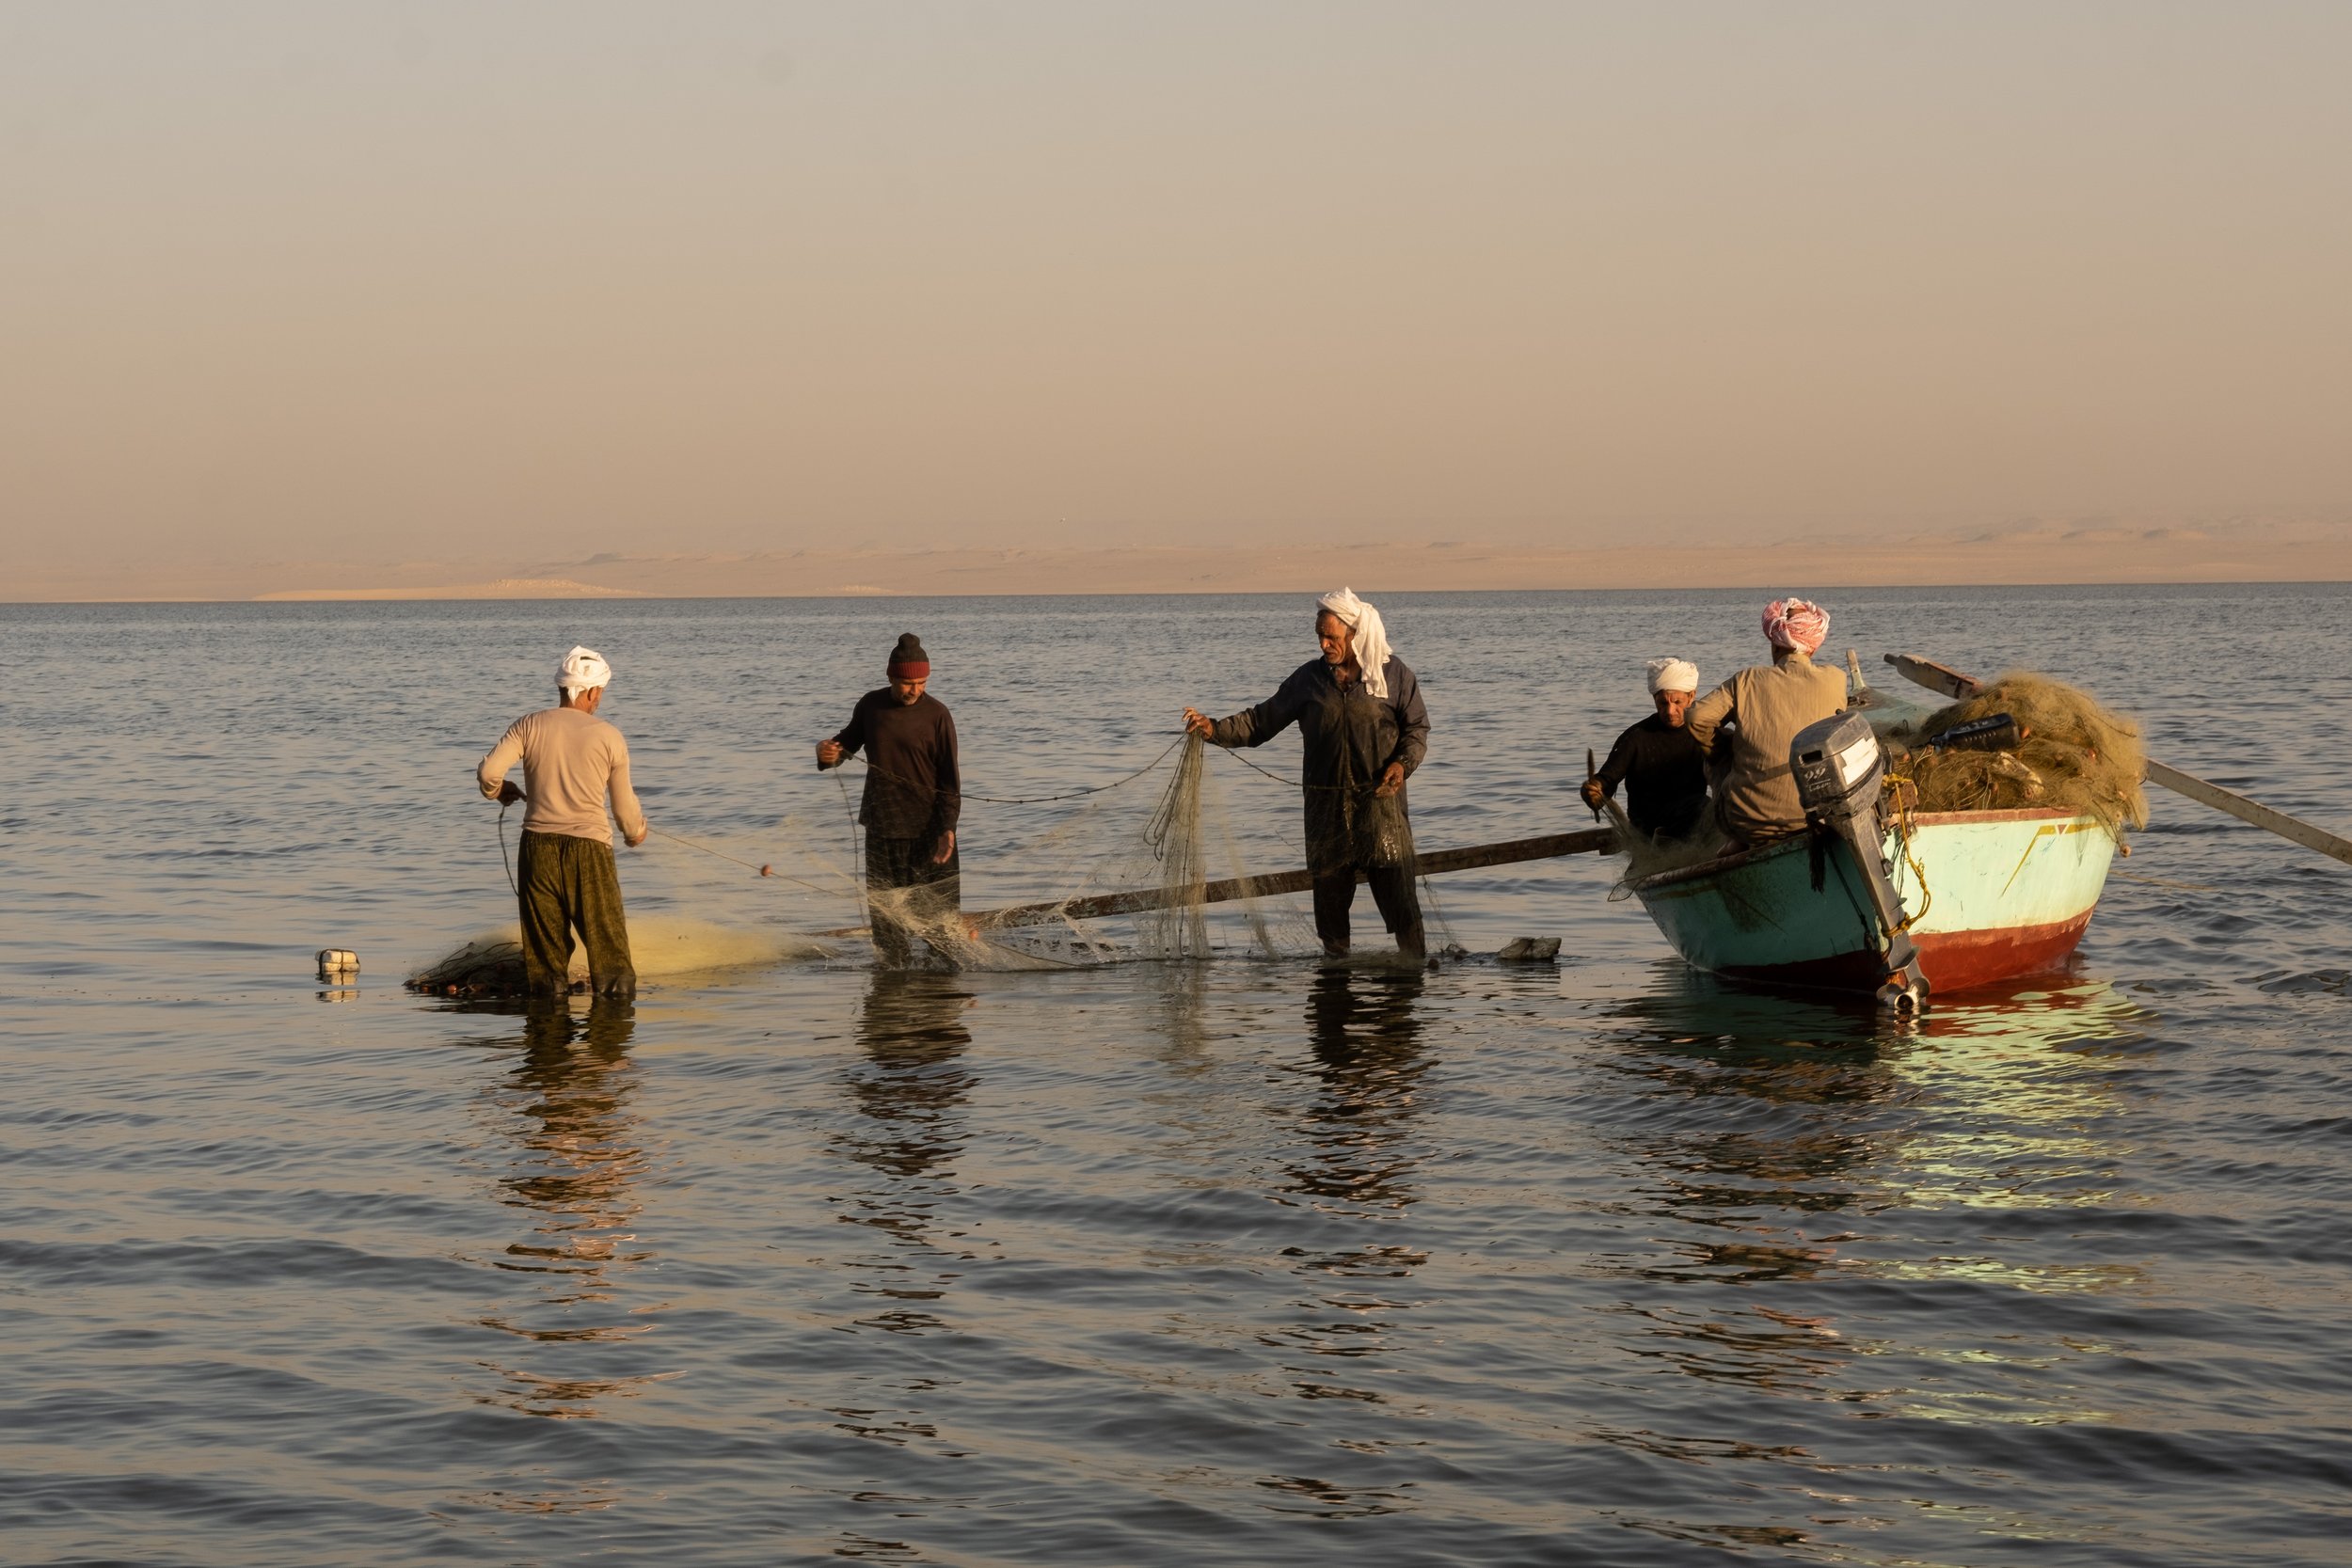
[{"x": 388, "y": 281}]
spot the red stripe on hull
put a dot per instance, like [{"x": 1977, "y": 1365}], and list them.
[{"x": 1952, "y": 961}]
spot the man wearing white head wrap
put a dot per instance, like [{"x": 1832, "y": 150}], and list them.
[
  {"x": 1360, "y": 715},
  {"x": 1757, "y": 712},
  {"x": 1673, "y": 675},
  {"x": 582, "y": 670},
  {"x": 1367, "y": 644},
  {"x": 1662, "y": 769},
  {"x": 573, "y": 763}
]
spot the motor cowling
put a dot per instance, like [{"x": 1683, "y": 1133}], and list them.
[{"x": 1838, "y": 765}]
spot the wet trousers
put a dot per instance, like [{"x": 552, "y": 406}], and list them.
[
  {"x": 1392, "y": 889},
  {"x": 562, "y": 882},
  {"x": 906, "y": 893}
]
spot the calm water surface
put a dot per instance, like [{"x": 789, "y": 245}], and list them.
[{"x": 1241, "y": 1262}]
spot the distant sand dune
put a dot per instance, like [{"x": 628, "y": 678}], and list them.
[
  {"x": 504, "y": 587},
  {"x": 2101, "y": 550}
]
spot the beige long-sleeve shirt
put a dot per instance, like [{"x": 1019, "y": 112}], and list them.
[
  {"x": 1770, "y": 703},
  {"x": 573, "y": 762}
]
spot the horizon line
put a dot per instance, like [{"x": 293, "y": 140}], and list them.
[{"x": 631, "y": 597}]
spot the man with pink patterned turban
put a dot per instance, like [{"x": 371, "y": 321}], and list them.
[{"x": 1749, "y": 721}]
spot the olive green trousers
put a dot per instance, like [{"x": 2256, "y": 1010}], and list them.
[{"x": 564, "y": 882}]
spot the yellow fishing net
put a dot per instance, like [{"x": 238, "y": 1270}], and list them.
[{"x": 2075, "y": 755}]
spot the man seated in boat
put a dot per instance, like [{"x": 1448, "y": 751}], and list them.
[
  {"x": 1662, "y": 769},
  {"x": 1757, "y": 712}
]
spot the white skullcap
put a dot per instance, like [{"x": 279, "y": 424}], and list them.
[
  {"x": 1673, "y": 675},
  {"x": 582, "y": 670}
]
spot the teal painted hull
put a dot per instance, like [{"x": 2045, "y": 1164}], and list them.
[{"x": 1994, "y": 895}]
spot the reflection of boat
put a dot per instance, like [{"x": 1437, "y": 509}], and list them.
[
  {"x": 1821, "y": 1145},
  {"x": 1996, "y": 895},
  {"x": 1665, "y": 1006}
]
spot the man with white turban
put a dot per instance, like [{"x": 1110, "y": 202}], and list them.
[
  {"x": 573, "y": 763},
  {"x": 1359, "y": 715},
  {"x": 1662, "y": 769},
  {"x": 1757, "y": 712}
]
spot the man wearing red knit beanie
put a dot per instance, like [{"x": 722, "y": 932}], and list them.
[{"x": 913, "y": 794}]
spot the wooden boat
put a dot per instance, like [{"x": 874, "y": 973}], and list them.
[{"x": 1994, "y": 895}]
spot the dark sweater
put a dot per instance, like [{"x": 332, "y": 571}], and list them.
[
  {"x": 1665, "y": 773},
  {"x": 914, "y": 783},
  {"x": 1350, "y": 739}
]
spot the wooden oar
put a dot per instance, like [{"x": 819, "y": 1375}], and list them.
[
  {"x": 1475, "y": 856},
  {"x": 1951, "y": 683},
  {"x": 2293, "y": 827}
]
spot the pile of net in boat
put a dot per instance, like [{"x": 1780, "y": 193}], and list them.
[{"x": 2075, "y": 755}]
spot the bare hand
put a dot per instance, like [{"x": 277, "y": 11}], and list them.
[
  {"x": 828, "y": 754},
  {"x": 946, "y": 850},
  {"x": 1392, "y": 780},
  {"x": 1198, "y": 722},
  {"x": 633, "y": 839},
  {"x": 510, "y": 792},
  {"x": 1593, "y": 792}
]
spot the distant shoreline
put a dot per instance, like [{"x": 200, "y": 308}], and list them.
[
  {"x": 1372, "y": 591},
  {"x": 1776, "y": 560}
]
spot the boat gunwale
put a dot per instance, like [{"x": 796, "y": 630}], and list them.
[{"x": 1770, "y": 848}]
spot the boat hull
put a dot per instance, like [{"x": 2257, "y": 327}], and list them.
[{"x": 2006, "y": 894}]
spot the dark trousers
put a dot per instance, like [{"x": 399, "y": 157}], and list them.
[
  {"x": 562, "y": 882},
  {"x": 906, "y": 893},
  {"x": 1392, "y": 890}
]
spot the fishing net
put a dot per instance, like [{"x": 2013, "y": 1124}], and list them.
[
  {"x": 1645, "y": 856},
  {"x": 1124, "y": 874},
  {"x": 1152, "y": 872},
  {"x": 661, "y": 947},
  {"x": 2075, "y": 755},
  {"x": 1179, "y": 927}
]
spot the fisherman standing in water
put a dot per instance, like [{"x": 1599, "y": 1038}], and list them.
[
  {"x": 1360, "y": 714},
  {"x": 1766, "y": 705},
  {"x": 565, "y": 877},
  {"x": 913, "y": 795}
]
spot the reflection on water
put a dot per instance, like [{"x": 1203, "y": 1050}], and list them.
[
  {"x": 1358, "y": 1166},
  {"x": 1780, "y": 1132},
  {"x": 576, "y": 1160},
  {"x": 1367, "y": 1067},
  {"x": 1774, "y": 1130},
  {"x": 909, "y": 1089}
]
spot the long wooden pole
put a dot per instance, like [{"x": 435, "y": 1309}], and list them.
[
  {"x": 1472, "y": 858},
  {"x": 1951, "y": 683},
  {"x": 2291, "y": 828}
]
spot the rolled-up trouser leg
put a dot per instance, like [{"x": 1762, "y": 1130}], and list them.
[
  {"x": 1394, "y": 889},
  {"x": 565, "y": 882}
]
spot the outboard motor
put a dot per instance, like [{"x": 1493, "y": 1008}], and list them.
[{"x": 1838, "y": 764}]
